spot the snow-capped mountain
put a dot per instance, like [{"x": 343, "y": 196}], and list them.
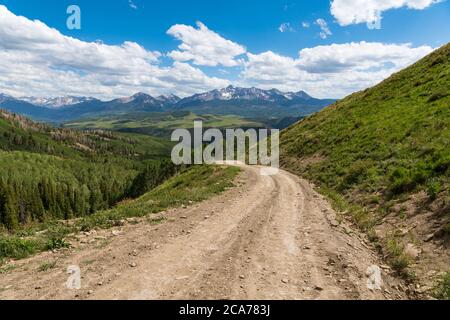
[
  {"x": 249, "y": 94},
  {"x": 56, "y": 102},
  {"x": 252, "y": 103},
  {"x": 138, "y": 98},
  {"x": 297, "y": 95},
  {"x": 145, "y": 99},
  {"x": 4, "y": 97},
  {"x": 169, "y": 99}
]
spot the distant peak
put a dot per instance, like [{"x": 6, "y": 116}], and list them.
[
  {"x": 140, "y": 94},
  {"x": 4, "y": 97},
  {"x": 303, "y": 93},
  {"x": 136, "y": 96},
  {"x": 276, "y": 91},
  {"x": 168, "y": 96}
]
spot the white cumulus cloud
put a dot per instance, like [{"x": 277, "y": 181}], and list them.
[
  {"x": 38, "y": 60},
  {"x": 204, "y": 47},
  {"x": 331, "y": 71},
  {"x": 349, "y": 12},
  {"x": 362, "y": 56}
]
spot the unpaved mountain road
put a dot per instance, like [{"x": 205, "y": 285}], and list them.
[{"x": 271, "y": 237}]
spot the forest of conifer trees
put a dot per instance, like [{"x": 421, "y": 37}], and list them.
[{"x": 49, "y": 173}]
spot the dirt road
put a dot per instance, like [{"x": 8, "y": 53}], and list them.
[{"x": 272, "y": 237}]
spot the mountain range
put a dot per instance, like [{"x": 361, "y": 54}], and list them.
[
  {"x": 246, "y": 102},
  {"x": 56, "y": 102}
]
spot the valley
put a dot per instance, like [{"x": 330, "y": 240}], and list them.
[{"x": 162, "y": 124}]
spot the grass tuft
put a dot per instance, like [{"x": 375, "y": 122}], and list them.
[
  {"x": 397, "y": 257},
  {"x": 442, "y": 290},
  {"x": 47, "y": 266}
]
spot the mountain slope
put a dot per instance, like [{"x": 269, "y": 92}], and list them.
[
  {"x": 24, "y": 108},
  {"x": 18, "y": 133},
  {"x": 386, "y": 152},
  {"x": 49, "y": 173}
]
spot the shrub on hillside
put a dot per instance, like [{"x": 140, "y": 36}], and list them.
[
  {"x": 401, "y": 181},
  {"x": 17, "y": 248},
  {"x": 433, "y": 189},
  {"x": 443, "y": 289}
]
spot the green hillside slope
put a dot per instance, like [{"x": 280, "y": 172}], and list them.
[
  {"x": 48, "y": 173},
  {"x": 384, "y": 151},
  {"x": 19, "y": 133}
]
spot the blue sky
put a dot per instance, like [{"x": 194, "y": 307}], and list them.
[{"x": 413, "y": 29}]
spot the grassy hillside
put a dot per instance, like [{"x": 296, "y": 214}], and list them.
[{"x": 384, "y": 152}]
